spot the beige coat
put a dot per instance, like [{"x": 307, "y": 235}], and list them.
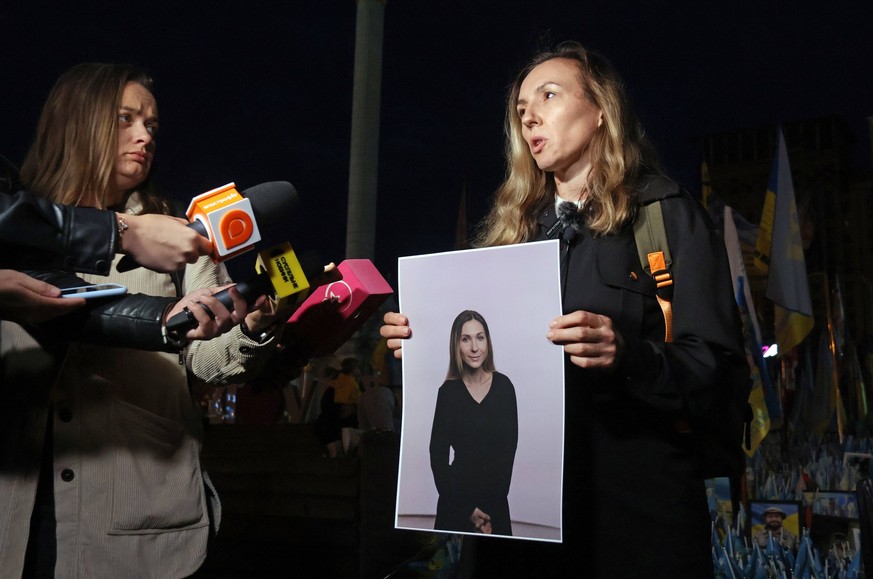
[{"x": 129, "y": 490}]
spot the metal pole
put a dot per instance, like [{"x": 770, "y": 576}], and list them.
[{"x": 364, "y": 154}]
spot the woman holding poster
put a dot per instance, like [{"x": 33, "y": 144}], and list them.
[
  {"x": 474, "y": 435},
  {"x": 579, "y": 168}
]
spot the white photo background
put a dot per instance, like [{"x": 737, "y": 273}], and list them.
[{"x": 517, "y": 290}]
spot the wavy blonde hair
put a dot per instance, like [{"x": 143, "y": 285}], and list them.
[
  {"x": 620, "y": 154},
  {"x": 76, "y": 144}
]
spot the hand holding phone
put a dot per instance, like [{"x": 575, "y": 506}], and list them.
[{"x": 97, "y": 290}]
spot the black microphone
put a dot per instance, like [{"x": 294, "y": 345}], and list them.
[
  {"x": 281, "y": 276},
  {"x": 230, "y": 219},
  {"x": 570, "y": 220},
  {"x": 569, "y": 235},
  {"x": 569, "y": 214}
]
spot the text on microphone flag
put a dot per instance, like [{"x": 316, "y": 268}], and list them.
[{"x": 286, "y": 273}]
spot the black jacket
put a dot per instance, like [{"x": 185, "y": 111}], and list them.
[
  {"x": 38, "y": 234},
  {"x": 131, "y": 321},
  {"x": 47, "y": 241},
  {"x": 628, "y": 470},
  {"x": 682, "y": 379}
]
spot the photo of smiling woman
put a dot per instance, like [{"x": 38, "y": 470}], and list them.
[{"x": 474, "y": 435}]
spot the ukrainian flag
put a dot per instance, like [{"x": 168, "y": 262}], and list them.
[
  {"x": 762, "y": 398},
  {"x": 779, "y": 251}
]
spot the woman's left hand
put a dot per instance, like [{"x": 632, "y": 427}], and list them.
[
  {"x": 589, "y": 339},
  {"x": 213, "y": 317},
  {"x": 481, "y": 521}
]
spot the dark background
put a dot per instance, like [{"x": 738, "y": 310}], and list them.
[{"x": 252, "y": 92}]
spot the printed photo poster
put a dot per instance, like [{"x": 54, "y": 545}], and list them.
[
  {"x": 775, "y": 521},
  {"x": 496, "y": 466},
  {"x": 718, "y": 495}
]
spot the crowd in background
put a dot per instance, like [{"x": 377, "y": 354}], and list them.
[{"x": 341, "y": 396}]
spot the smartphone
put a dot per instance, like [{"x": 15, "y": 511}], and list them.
[{"x": 97, "y": 290}]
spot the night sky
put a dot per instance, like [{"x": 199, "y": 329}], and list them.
[{"x": 250, "y": 94}]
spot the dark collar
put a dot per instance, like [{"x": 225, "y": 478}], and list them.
[{"x": 547, "y": 219}]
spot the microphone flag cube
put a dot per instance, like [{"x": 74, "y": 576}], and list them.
[
  {"x": 286, "y": 275},
  {"x": 228, "y": 219},
  {"x": 333, "y": 312}
]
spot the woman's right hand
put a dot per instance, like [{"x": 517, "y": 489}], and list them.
[
  {"x": 161, "y": 242},
  {"x": 26, "y": 300},
  {"x": 395, "y": 329}
]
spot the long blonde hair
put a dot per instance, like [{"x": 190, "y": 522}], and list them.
[
  {"x": 620, "y": 154},
  {"x": 74, "y": 151}
]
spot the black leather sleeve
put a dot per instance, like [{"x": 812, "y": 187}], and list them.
[
  {"x": 130, "y": 321},
  {"x": 35, "y": 233}
]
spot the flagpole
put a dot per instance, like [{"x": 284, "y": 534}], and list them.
[
  {"x": 705, "y": 184},
  {"x": 832, "y": 346}
]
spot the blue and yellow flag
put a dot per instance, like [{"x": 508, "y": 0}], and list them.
[
  {"x": 779, "y": 252},
  {"x": 762, "y": 398}
]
